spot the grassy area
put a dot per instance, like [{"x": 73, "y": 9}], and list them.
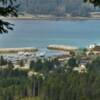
[{"x": 31, "y": 98}]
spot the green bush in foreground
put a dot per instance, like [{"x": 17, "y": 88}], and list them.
[{"x": 55, "y": 83}]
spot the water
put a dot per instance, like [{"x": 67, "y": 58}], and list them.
[{"x": 40, "y": 33}]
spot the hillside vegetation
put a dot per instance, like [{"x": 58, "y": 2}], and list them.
[{"x": 56, "y": 7}]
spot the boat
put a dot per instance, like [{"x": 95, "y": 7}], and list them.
[{"x": 41, "y": 54}]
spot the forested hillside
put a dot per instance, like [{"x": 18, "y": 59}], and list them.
[{"x": 56, "y": 7}]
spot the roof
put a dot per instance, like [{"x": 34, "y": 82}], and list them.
[{"x": 96, "y": 48}]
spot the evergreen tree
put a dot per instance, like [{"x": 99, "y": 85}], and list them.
[
  {"x": 7, "y": 9},
  {"x": 95, "y": 2},
  {"x": 21, "y": 63},
  {"x": 2, "y": 61},
  {"x": 10, "y": 65},
  {"x": 72, "y": 62}
]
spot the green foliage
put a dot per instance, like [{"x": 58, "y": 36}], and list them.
[
  {"x": 10, "y": 65},
  {"x": 95, "y": 65},
  {"x": 7, "y": 9},
  {"x": 94, "y": 2},
  {"x": 72, "y": 86},
  {"x": 31, "y": 98},
  {"x": 53, "y": 84},
  {"x": 72, "y": 62},
  {"x": 56, "y": 7},
  {"x": 44, "y": 64},
  {"x": 21, "y": 63},
  {"x": 2, "y": 61},
  {"x": 37, "y": 66}
]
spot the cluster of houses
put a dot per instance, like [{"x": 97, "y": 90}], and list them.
[
  {"x": 16, "y": 58},
  {"x": 26, "y": 57},
  {"x": 92, "y": 50}
]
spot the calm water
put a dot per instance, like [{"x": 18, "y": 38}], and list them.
[{"x": 31, "y": 33}]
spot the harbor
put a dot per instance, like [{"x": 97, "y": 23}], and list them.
[{"x": 15, "y": 55}]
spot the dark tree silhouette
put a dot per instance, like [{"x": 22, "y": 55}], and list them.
[
  {"x": 94, "y": 2},
  {"x": 7, "y": 8}
]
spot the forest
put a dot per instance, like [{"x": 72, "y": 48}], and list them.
[
  {"x": 50, "y": 80},
  {"x": 56, "y": 7}
]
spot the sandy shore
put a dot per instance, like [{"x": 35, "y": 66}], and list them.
[{"x": 49, "y": 18}]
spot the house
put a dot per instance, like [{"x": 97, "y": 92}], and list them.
[
  {"x": 82, "y": 65},
  {"x": 94, "y": 49},
  {"x": 95, "y": 14},
  {"x": 84, "y": 61},
  {"x": 80, "y": 69}
]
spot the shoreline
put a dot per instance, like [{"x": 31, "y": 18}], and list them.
[
  {"x": 31, "y": 49},
  {"x": 50, "y": 18}
]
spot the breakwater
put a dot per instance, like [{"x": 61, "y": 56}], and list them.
[
  {"x": 62, "y": 47},
  {"x": 14, "y": 50}
]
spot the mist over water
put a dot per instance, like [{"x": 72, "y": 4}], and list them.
[{"x": 41, "y": 33}]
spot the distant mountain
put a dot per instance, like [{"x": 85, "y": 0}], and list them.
[{"x": 56, "y": 7}]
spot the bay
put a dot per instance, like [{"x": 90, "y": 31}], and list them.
[{"x": 41, "y": 33}]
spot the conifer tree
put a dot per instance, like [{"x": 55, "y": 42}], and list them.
[
  {"x": 94, "y": 2},
  {"x": 7, "y": 8}
]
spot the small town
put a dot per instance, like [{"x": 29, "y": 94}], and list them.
[{"x": 21, "y": 58}]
